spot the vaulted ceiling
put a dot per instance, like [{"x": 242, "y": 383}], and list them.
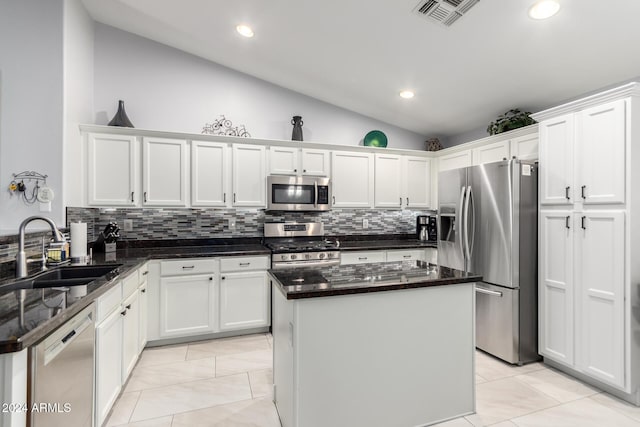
[{"x": 359, "y": 54}]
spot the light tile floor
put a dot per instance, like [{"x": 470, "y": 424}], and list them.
[{"x": 227, "y": 383}]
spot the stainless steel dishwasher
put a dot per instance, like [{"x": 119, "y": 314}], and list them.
[{"x": 61, "y": 375}]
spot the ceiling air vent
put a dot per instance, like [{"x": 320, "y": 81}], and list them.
[{"x": 444, "y": 12}]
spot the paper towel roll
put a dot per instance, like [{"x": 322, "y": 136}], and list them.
[{"x": 78, "y": 239}]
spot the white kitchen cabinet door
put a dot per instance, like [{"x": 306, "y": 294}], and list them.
[
  {"x": 143, "y": 303},
  {"x": 164, "y": 168},
  {"x": 316, "y": 162},
  {"x": 556, "y": 161},
  {"x": 187, "y": 305},
  {"x": 600, "y": 262},
  {"x": 130, "y": 334},
  {"x": 112, "y": 170},
  {"x": 491, "y": 153},
  {"x": 525, "y": 147},
  {"x": 416, "y": 173},
  {"x": 601, "y": 156},
  {"x": 388, "y": 181},
  {"x": 244, "y": 300},
  {"x": 108, "y": 364},
  {"x": 460, "y": 159},
  {"x": 249, "y": 175},
  {"x": 353, "y": 178},
  {"x": 209, "y": 174},
  {"x": 283, "y": 160},
  {"x": 556, "y": 286}
]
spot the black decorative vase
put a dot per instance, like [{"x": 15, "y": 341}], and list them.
[
  {"x": 297, "y": 128},
  {"x": 121, "y": 119}
]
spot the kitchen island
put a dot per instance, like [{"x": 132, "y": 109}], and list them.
[{"x": 388, "y": 344}]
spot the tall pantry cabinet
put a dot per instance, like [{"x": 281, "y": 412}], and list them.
[{"x": 589, "y": 242}]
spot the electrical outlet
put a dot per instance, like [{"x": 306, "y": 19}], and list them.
[
  {"x": 365, "y": 223},
  {"x": 128, "y": 225},
  {"x": 232, "y": 224}
]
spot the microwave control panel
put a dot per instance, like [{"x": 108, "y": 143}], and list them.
[{"x": 323, "y": 195}]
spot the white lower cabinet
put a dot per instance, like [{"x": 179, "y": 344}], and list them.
[
  {"x": 405, "y": 255},
  {"x": 108, "y": 365},
  {"x": 144, "y": 306},
  {"x": 391, "y": 255},
  {"x": 187, "y": 305},
  {"x": 244, "y": 300},
  {"x": 130, "y": 334},
  {"x": 582, "y": 320}
]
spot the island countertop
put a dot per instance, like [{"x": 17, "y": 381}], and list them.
[{"x": 363, "y": 278}]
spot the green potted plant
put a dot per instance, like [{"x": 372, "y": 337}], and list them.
[{"x": 512, "y": 119}]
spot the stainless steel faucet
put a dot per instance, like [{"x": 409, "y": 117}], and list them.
[{"x": 21, "y": 258}]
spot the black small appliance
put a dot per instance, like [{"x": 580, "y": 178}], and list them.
[{"x": 426, "y": 228}]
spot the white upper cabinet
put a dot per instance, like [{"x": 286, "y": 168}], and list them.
[
  {"x": 525, "y": 147},
  {"x": 209, "y": 174},
  {"x": 295, "y": 161},
  {"x": 164, "y": 167},
  {"x": 112, "y": 170},
  {"x": 402, "y": 181},
  {"x": 490, "y": 153},
  {"x": 388, "y": 181},
  {"x": 416, "y": 182},
  {"x": 459, "y": 159},
  {"x": 315, "y": 162},
  {"x": 556, "y": 161},
  {"x": 283, "y": 160},
  {"x": 249, "y": 175},
  {"x": 353, "y": 178},
  {"x": 600, "y": 154}
]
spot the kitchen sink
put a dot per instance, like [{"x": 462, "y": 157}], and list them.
[{"x": 71, "y": 276}]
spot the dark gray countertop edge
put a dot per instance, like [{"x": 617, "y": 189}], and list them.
[{"x": 373, "y": 288}]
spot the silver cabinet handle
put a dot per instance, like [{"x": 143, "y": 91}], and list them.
[
  {"x": 566, "y": 222},
  {"x": 123, "y": 313},
  {"x": 224, "y": 197},
  {"x": 188, "y": 267},
  {"x": 582, "y": 221},
  {"x": 145, "y": 273},
  {"x": 132, "y": 197},
  {"x": 128, "y": 306},
  {"x": 566, "y": 193},
  {"x": 244, "y": 264},
  {"x": 406, "y": 256},
  {"x": 582, "y": 191},
  {"x": 407, "y": 201},
  {"x": 488, "y": 292},
  {"x": 362, "y": 258},
  {"x": 234, "y": 197},
  {"x": 334, "y": 199},
  {"x": 145, "y": 196},
  {"x": 400, "y": 201}
]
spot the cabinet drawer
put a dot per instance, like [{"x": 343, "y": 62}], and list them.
[
  {"x": 362, "y": 257},
  {"x": 108, "y": 302},
  {"x": 405, "y": 255},
  {"x": 244, "y": 263},
  {"x": 187, "y": 266},
  {"x": 130, "y": 284}
]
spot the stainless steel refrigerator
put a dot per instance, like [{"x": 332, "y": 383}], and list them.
[{"x": 488, "y": 225}]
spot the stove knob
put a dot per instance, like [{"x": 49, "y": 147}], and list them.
[
  {"x": 307, "y": 256},
  {"x": 283, "y": 257},
  {"x": 322, "y": 255},
  {"x": 294, "y": 256},
  {"x": 330, "y": 254}
]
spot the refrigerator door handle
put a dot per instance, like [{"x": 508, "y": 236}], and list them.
[
  {"x": 469, "y": 242},
  {"x": 460, "y": 220},
  {"x": 488, "y": 292}
]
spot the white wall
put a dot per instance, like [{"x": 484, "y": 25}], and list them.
[
  {"x": 166, "y": 89},
  {"x": 30, "y": 102},
  {"x": 78, "y": 94}
]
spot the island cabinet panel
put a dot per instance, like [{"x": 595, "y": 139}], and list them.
[{"x": 323, "y": 363}]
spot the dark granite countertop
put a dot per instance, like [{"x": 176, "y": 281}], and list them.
[
  {"x": 363, "y": 278},
  {"x": 40, "y": 321}
]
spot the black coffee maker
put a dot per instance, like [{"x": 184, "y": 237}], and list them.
[{"x": 426, "y": 228}]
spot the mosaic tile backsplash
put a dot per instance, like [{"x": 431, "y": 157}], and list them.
[{"x": 214, "y": 223}]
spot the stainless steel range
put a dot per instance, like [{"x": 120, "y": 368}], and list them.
[{"x": 300, "y": 244}]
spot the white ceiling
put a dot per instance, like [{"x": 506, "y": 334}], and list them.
[{"x": 358, "y": 54}]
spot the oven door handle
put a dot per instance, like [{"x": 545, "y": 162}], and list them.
[
  {"x": 315, "y": 200},
  {"x": 282, "y": 266}
]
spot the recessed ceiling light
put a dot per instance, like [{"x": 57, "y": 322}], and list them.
[
  {"x": 544, "y": 9},
  {"x": 406, "y": 94},
  {"x": 245, "y": 30}
]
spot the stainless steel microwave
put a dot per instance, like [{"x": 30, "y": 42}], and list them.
[{"x": 298, "y": 193}]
